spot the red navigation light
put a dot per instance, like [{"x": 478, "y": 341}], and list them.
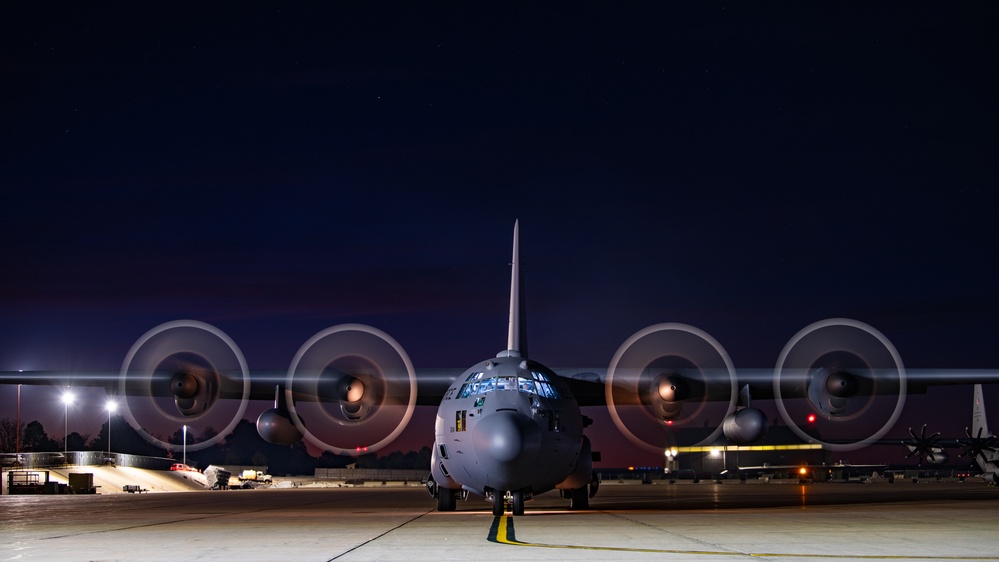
[
  {"x": 811, "y": 418},
  {"x": 669, "y": 422},
  {"x": 360, "y": 449}
]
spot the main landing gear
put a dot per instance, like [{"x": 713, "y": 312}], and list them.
[
  {"x": 579, "y": 498},
  {"x": 447, "y": 498}
]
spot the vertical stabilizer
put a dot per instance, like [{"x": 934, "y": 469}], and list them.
[
  {"x": 986, "y": 456},
  {"x": 516, "y": 345},
  {"x": 978, "y": 421}
]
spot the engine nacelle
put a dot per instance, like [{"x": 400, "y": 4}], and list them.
[
  {"x": 195, "y": 391},
  {"x": 939, "y": 457},
  {"x": 745, "y": 426},
  {"x": 669, "y": 391},
  {"x": 672, "y": 388},
  {"x": 837, "y": 393},
  {"x": 841, "y": 384}
]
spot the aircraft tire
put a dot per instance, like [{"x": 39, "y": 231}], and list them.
[
  {"x": 518, "y": 503},
  {"x": 445, "y": 499},
  {"x": 499, "y": 500},
  {"x": 594, "y": 484},
  {"x": 579, "y": 499}
]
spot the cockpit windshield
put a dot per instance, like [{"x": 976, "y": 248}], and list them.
[{"x": 534, "y": 382}]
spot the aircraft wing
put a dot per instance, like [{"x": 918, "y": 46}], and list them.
[
  {"x": 852, "y": 405},
  {"x": 431, "y": 383},
  {"x": 348, "y": 406},
  {"x": 590, "y": 385},
  {"x": 351, "y": 393}
]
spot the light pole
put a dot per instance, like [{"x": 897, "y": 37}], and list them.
[
  {"x": 111, "y": 407},
  {"x": 185, "y": 445},
  {"x": 67, "y": 399},
  {"x": 17, "y": 428},
  {"x": 721, "y": 452}
]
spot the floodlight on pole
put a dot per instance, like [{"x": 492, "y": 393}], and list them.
[
  {"x": 67, "y": 399},
  {"x": 17, "y": 427},
  {"x": 111, "y": 406}
]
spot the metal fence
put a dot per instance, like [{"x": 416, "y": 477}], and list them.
[
  {"x": 83, "y": 458},
  {"x": 373, "y": 474}
]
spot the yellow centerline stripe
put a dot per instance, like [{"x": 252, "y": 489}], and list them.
[{"x": 502, "y": 532}]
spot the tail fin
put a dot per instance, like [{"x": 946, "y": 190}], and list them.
[
  {"x": 980, "y": 429},
  {"x": 978, "y": 421},
  {"x": 516, "y": 343}
]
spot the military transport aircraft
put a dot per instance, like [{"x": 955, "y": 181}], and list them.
[
  {"x": 980, "y": 444},
  {"x": 509, "y": 428}
]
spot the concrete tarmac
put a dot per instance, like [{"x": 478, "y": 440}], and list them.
[{"x": 704, "y": 522}]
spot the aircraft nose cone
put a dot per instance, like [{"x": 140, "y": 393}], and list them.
[{"x": 499, "y": 436}]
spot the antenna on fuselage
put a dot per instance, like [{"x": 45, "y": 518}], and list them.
[{"x": 516, "y": 343}]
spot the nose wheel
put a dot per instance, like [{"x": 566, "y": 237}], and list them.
[
  {"x": 515, "y": 501},
  {"x": 499, "y": 503},
  {"x": 518, "y": 503}
]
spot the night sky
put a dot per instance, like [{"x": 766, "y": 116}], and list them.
[{"x": 273, "y": 171}]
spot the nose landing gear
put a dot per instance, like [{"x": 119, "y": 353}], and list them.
[{"x": 512, "y": 500}]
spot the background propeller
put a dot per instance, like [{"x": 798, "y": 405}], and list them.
[
  {"x": 922, "y": 446},
  {"x": 978, "y": 445}
]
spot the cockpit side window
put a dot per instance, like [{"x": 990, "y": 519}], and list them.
[
  {"x": 526, "y": 385},
  {"x": 544, "y": 387},
  {"x": 472, "y": 386}
]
